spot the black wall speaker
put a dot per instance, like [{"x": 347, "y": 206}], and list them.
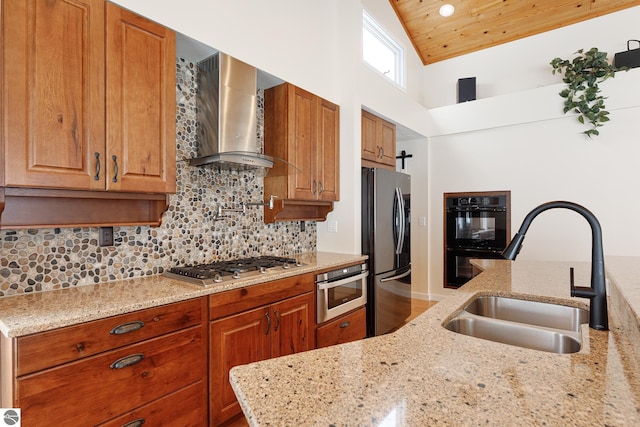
[{"x": 466, "y": 89}]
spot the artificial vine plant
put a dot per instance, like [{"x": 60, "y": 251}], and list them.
[{"x": 582, "y": 95}]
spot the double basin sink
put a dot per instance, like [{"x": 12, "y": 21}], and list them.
[{"x": 535, "y": 325}]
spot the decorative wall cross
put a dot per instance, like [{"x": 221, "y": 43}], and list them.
[{"x": 403, "y": 155}]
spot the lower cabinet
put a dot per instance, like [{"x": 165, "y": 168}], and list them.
[
  {"x": 349, "y": 327},
  {"x": 262, "y": 325},
  {"x": 155, "y": 375}
]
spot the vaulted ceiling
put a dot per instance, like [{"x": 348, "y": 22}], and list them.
[{"x": 479, "y": 24}]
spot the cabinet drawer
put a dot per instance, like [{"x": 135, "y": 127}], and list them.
[
  {"x": 238, "y": 300},
  {"x": 101, "y": 387},
  {"x": 350, "y": 327},
  {"x": 184, "y": 408},
  {"x": 47, "y": 349}
]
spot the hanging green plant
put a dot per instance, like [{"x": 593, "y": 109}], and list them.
[{"x": 582, "y": 95}]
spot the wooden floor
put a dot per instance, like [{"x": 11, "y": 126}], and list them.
[{"x": 418, "y": 307}]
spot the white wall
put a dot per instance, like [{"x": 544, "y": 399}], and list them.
[
  {"x": 524, "y": 64},
  {"x": 417, "y": 168},
  {"x": 541, "y": 155}
]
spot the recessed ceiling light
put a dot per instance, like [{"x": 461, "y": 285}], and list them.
[{"x": 447, "y": 10}]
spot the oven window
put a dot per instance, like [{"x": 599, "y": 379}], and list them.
[
  {"x": 472, "y": 227},
  {"x": 345, "y": 293}
]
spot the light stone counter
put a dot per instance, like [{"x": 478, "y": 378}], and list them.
[
  {"x": 42, "y": 311},
  {"x": 425, "y": 375}
]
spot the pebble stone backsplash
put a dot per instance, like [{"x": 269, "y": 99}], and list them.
[{"x": 35, "y": 260}]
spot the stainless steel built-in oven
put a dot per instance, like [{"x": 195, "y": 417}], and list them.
[
  {"x": 340, "y": 291},
  {"x": 477, "y": 225}
]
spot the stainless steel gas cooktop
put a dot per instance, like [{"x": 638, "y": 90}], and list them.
[{"x": 223, "y": 271}]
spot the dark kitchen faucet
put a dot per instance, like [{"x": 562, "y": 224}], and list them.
[{"x": 597, "y": 293}]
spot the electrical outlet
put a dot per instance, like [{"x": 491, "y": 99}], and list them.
[
  {"x": 105, "y": 236},
  {"x": 422, "y": 221}
]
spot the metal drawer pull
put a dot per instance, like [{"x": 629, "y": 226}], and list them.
[
  {"x": 97, "y": 175},
  {"x": 275, "y": 312},
  {"x": 115, "y": 168},
  {"x": 268, "y": 323},
  {"x": 345, "y": 325},
  {"x": 134, "y": 423},
  {"x": 127, "y": 327},
  {"x": 127, "y": 361}
]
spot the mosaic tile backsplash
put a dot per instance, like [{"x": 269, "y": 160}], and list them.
[{"x": 46, "y": 259}]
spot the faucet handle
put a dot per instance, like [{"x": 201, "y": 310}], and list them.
[{"x": 580, "y": 291}]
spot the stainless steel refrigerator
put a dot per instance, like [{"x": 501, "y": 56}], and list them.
[{"x": 386, "y": 230}]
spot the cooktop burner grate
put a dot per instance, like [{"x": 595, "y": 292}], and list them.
[{"x": 218, "y": 270}]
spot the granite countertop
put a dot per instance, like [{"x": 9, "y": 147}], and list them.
[
  {"x": 41, "y": 311},
  {"x": 424, "y": 374}
]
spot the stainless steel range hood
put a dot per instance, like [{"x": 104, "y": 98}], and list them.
[{"x": 227, "y": 115}]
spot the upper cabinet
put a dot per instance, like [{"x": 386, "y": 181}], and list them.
[
  {"x": 303, "y": 130},
  {"x": 88, "y": 100},
  {"x": 141, "y": 104},
  {"x": 378, "y": 142}
]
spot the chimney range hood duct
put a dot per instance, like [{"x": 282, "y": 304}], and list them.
[{"x": 226, "y": 112}]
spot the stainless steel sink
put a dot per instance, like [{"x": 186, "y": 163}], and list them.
[
  {"x": 535, "y": 325},
  {"x": 518, "y": 334},
  {"x": 530, "y": 312}
]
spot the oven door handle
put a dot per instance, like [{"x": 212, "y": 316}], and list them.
[
  {"x": 400, "y": 276},
  {"x": 329, "y": 285}
]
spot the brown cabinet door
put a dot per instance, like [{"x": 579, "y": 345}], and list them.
[
  {"x": 235, "y": 340},
  {"x": 302, "y": 143},
  {"x": 388, "y": 143},
  {"x": 293, "y": 330},
  {"x": 370, "y": 146},
  {"x": 328, "y": 151},
  {"x": 141, "y": 107},
  {"x": 53, "y": 66}
]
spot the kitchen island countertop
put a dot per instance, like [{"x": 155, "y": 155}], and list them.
[
  {"x": 42, "y": 311},
  {"x": 424, "y": 374}
]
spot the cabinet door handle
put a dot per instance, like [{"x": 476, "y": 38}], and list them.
[
  {"x": 134, "y": 423},
  {"x": 315, "y": 187},
  {"x": 344, "y": 324},
  {"x": 115, "y": 168},
  {"x": 127, "y": 361},
  {"x": 96, "y": 177},
  {"x": 379, "y": 152},
  {"x": 321, "y": 187},
  {"x": 275, "y": 312},
  {"x": 266, "y": 314},
  {"x": 127, "y": 327}
]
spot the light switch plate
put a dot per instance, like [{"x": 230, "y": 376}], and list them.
[{"x": 332, "y": 226}]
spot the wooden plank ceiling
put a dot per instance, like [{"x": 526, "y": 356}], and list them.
[{"x": 479, "y": 24}]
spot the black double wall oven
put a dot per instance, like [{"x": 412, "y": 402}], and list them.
[{"x": 477, "y": 225}]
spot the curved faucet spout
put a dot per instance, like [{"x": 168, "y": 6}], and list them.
[{"x": 597, "y": 293}]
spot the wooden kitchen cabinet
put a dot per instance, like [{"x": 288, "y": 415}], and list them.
[
  {"x": 378, "y": 142},
  {"x": 303, "y": 130},
  {"x": 114, "y": 370},
  {"x": 89, "y": 106},
  {"x": 346, "y": 328},
  {"x": 260, "y": 322}
]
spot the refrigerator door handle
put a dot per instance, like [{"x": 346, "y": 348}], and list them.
[
  {"x": 399, "y": 276},
  {"x": 402, "y": 220},
  {"x": 399, "y": 220}
]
